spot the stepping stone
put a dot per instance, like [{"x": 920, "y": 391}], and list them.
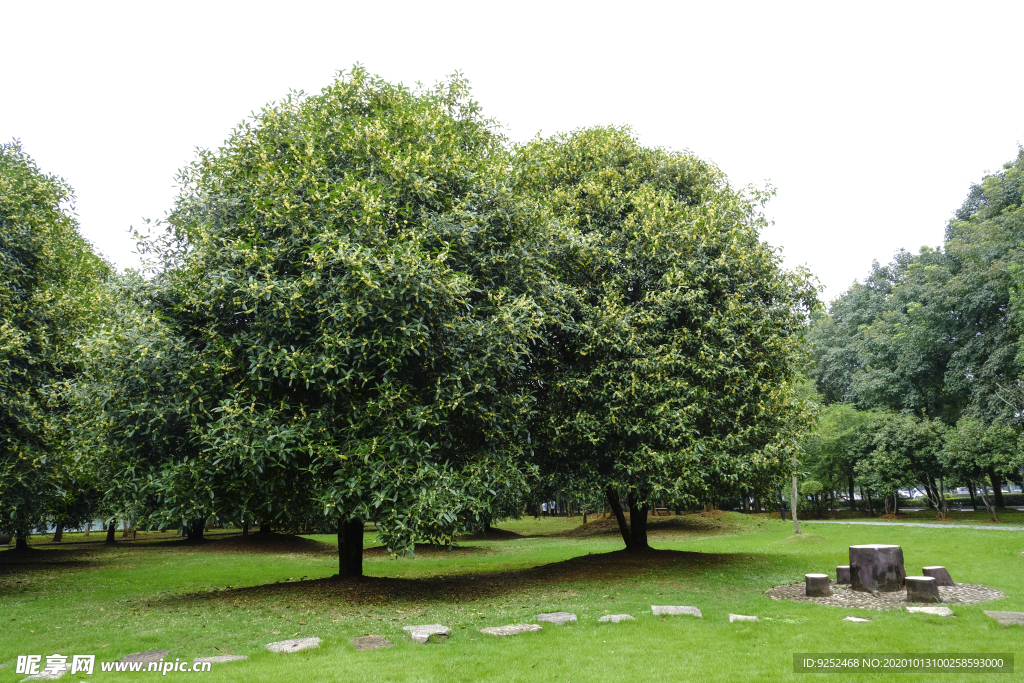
[
  {"x": 671, "y": 609},
  {"x": 857, "y": 619},
  {"x": 741, "y": 617},
  {"x": 510, "y": 630},
  {"x": 146, "y": 657},
  {"x": 45, "y": 675},
  {"x": 219, "y": 659},
  {"x": 422, "y": 633},
  {"x": 939, "y": 611},
  {"x": 616, "y": 618},
  {"x": 293, "y": 645},
  {"x": 557, "y": 617},
  {"x": 371, "y": 642},
  {"x": 1007, "y": 618}
]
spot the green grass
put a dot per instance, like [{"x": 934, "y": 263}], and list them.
[{"x": 159, "y": 594}]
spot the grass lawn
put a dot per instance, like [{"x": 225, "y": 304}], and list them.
[{"x": 231, "y": 596}]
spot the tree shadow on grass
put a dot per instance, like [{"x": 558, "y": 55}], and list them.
[{"x": 474, "y": 586}]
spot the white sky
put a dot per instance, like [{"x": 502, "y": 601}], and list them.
[{"x": 871, "y": 119}]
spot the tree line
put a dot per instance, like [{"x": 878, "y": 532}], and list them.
[
  {"x": 919, "y": 366},
  {"x": 368, "y": 305}
]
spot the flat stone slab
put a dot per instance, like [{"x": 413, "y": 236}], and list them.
[
  {"x": 1007, "y": 618},
  {"x": 510, "y": 630},
  {"x": 422, "y": 632},
  {"x": 219, "y": 659},
  {"x": 741, "y": 617},
  {"x": 857, "y": 619},
  {"x": 146, "y": 657},
  {"x": 293, "y": 645},
  {"x": 846, "y": 597},
  {"x": 676, "y": 609},
  {"x": 557, "y": 617},
  {"x": 939, "y": 611},
  {"x": 371, "y": 642},
  {"x": 44, "y": 675},
  {"x": 616, "y": 618}
]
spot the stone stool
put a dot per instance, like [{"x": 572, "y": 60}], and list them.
[
  {"x": 816, "y": 586},
  {"x": 843, "y": 574},
  {"x": 942, "y": 577},
  {"x": 922, "y": 589}
]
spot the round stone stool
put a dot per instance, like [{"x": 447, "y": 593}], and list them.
[
  {"x": 816, "y": 586},
  {"x": 942, "y": 577},
  {"x": 843, "y": 574},
  {"x": 922, "y": 589}
]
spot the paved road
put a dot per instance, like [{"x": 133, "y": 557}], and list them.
[{"x": 990, "y": 527}]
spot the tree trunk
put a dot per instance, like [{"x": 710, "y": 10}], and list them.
[
  {"x": 112, "y": 532},
  {"x": 896, "y": 503},
  {"x": 989, "y": 505},
  {"x": 584, "y": 516},
  {"x": 867, "y": 495},
  {"x": 58, "y": 534},
  {"x": 638, "y": 526},
  {"x": 195, "y": 530},
  {"x": 266, "y": 528},
  {"x": 795, "y": 505},
  {"x": 746, "y": 503},
  {"x": 350, "y": 548},
  {"x": 757, "y": 505},
  {"x": 997, "y": 487},
  {"x": 942, "y": 498},
  {"x": 20, "y": 540},
  {"x": 613, "y": 503},
  {"x": 853, "y": 499},
  {"x": 245, "y": 528},
  {"x": 88, "y": 529},
  {"x": 970, "y": 490},
  {"x": 124, "y": 528}
]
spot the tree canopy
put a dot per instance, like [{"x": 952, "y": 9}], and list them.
[
  {"x": 344, "y": 317},
  {"x": 49, "y": 288},
  {"x": 670, "y": 375}
]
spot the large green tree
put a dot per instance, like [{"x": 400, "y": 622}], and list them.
[
  {"x": 670, "y": 371},
  {"x": 49, "y": 288},
  {"x": 356, "y": 291}
]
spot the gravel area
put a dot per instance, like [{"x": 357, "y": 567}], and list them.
[{"x": 844, "y": 596}]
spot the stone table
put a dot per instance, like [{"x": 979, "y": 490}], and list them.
[{"x": 877, "y": 568}]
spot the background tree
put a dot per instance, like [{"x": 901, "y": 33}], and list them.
[
  {"x": 672, "y": 370},
  {"x": 48, "y": 282},
  {"x": 974, "y": 452}
]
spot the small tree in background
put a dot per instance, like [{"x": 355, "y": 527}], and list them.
[{"x": 974, "y": 451}]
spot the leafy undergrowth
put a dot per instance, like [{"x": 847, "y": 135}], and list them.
[{"x": 233, "y": 595}]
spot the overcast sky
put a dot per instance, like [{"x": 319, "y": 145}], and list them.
[{"x": 871, "y": 119}]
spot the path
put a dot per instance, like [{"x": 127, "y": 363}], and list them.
[{"x": 930, "y": 526}]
